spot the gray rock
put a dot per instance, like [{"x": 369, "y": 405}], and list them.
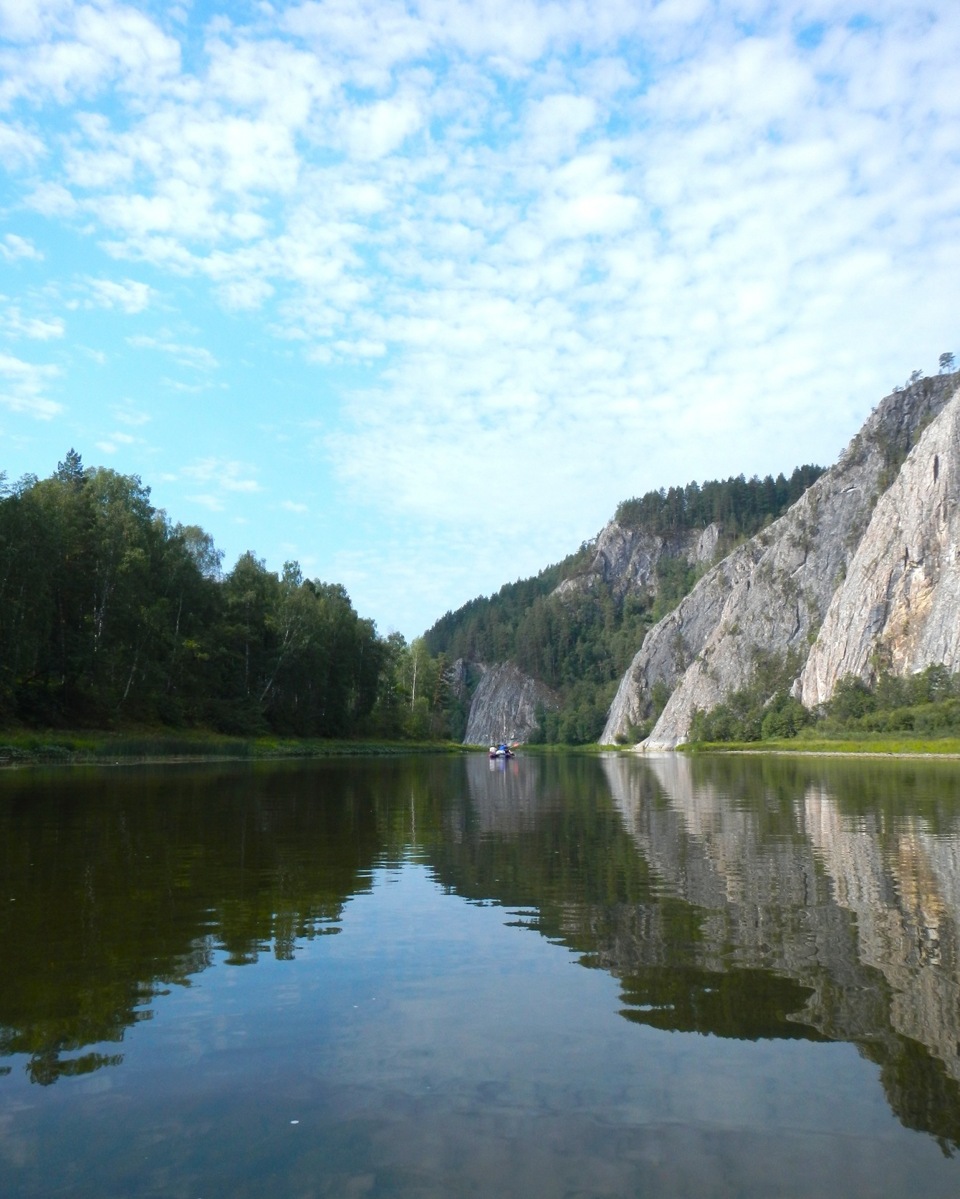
[
  {"x": 771, "y": 595},
  {"x": 899, "y": 605},
  {"x": 626, "y": 559},
  {"x": 504, "y": 705},
  {"x": 505, "y": 702}
]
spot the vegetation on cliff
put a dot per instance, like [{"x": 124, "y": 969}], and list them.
[
  {"x": 741, "y": 506},
  {"x": 580, "y": 640},
  {"x": 925, "y": 705}
]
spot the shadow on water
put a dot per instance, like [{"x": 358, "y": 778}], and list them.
[{"x": 736, "y": 898}]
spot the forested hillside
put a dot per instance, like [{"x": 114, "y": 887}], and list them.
[
  {"x": 580, "y": 640},
  {"x": 109, "y": 613}
]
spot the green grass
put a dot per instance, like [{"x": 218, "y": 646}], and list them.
[
  {"x": 21, "y": 748},
  {"x": 824, "y": 745}
]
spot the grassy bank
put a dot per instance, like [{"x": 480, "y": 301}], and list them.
[
  {"x": 22, "y": 748},
  {"x": 926, "y": 746}
]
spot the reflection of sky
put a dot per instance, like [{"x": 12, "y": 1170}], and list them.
[{"x": 432, "y": 1049}]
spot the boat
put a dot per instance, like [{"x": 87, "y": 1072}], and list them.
[{"x": 501, "y": 751}]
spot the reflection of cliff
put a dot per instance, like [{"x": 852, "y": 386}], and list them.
[
  {"x": 901, "y": 885},
  {"x": 861, "y": 910},
  {"x": 505, "y": 795}
]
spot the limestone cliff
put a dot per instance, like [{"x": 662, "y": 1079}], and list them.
[
  {"x": 773, "y": 593},
  {"x": 504, "y": 705},
  {"x": 626, "y": 558},
  {"x": 625, "y": 561},
  {"x": 899, "y": 605}
]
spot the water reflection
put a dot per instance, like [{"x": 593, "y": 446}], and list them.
[
  {"x": 745, "y": 899},
  {"x": 857, "y": 905},
  {"x": 116, "y": 887}
]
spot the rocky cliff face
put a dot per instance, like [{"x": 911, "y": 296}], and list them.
[
  {"x": 505, "y": 702},
  {"x": 504, "y": 706},
  {"x": 773, "y": 594},
  {"x": 899, "y": 605},
  {"x": 626, "y": 559}
]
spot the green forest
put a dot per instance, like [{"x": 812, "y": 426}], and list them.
[
  {"x": 581, "y": 642},
  {"x": 111, "y": 614}
]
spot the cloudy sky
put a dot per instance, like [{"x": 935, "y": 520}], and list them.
[{"x": 415, "y": 291}]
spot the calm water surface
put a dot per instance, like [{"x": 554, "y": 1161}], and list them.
[{"x": 442, "y": 977}]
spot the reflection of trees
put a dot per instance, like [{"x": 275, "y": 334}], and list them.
[
  {"x": 745, "y": 898},
  {"x": 116, "y": 886}
]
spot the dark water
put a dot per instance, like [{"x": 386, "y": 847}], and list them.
[{"x": 438, "y": 977}]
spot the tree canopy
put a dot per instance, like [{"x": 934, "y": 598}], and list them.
[{"x": 109, "y": 611}]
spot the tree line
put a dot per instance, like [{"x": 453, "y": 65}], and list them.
[
  {"x": 110, "y": 612},
  {"x": 925, "y": 704},
  {"x": 740, "y": 505}
]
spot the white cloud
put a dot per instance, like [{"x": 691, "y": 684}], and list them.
[
  {"x": 70, "y": 50},
  {"x": 16, "y": 324},
  {"x": 28, "y": 20},
  {"x": 115, "y": 442},
  {"x": 558, "y": 251},
  {"x": 131, "y": 416},
  {"x": 226, "y": 474},
  {"x": 214, "y": 503},
  {"x": 195, "y": 357},
  {"x": 14, "y": 247},
  {"x": 19, "y": 147},
  {"x": 23, "y": 387},
  {"x": 380, "y": 128},
  {"x": 556, "y": 123},
  {"x": 51, "y": 200},
  {"x": 128, "y": 295}
]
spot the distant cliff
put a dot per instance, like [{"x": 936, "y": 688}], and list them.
[
  {"x": 625, "y": 561},
  {"x": 862, "y": 569},
  {"x": 505, "y": 705}
]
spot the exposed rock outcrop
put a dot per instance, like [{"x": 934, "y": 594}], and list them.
[
  {"x": 899, "y": 605},
  {"x": 505, "y": 702},
  {"x": 504, "y": 706},
  {"x": 626, "y": 559},
  {"x": 773, "y": 593}
]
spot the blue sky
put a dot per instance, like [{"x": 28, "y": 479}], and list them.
[{"x": 415, "y": 293}]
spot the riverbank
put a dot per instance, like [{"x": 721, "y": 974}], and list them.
[
  {"x": 47, "y": 748},
  {"x": 899, "y": 747}
]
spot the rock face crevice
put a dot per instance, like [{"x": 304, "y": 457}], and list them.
[{"x": 856, "y": 566}]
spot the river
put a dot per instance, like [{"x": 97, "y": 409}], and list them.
[{"x": 429, "y": 976}]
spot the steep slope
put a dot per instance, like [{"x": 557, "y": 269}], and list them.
[
  {"x": 899, "y": 605},
  {"x": 626, "y": 559},
  {"x": 504, "y": 706},
  {"x": 769, "y": 598}
]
